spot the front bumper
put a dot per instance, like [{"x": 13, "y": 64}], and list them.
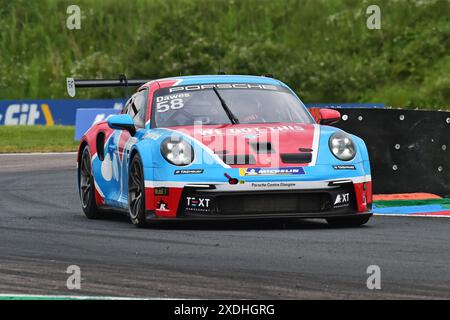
[{"x": 211, "y": 204}]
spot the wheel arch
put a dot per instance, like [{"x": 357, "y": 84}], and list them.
[
  {"x": 133, "y": 153},
  {"x": 145, "y": 150},
  {"x": 83, "y": 145},
  {"x": 137, "y": 218}
]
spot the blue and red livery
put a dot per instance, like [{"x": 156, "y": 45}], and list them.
[{"x": 223, "y": 147}]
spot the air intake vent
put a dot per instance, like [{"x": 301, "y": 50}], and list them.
[
  {"x": 238, "y": 159},
  {"x": 296, "y": 157},
  {"x": 279, "y": 203},
  {"x": 262, "y": 147}
]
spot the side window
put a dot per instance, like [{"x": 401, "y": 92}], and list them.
[
  {"x": 140, "y": 104},
  {"x": 127, "y": 106},
  {"x": 136, "y": 106}
]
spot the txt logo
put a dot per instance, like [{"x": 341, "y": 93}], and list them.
[
  {"x": 198, "y": 202},
  {"x": 342, "y": 198}
]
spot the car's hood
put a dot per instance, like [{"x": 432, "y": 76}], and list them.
[{"x": 292, "y": 144}]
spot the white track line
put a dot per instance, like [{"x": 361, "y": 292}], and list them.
[{"x": 38, "y": 296}]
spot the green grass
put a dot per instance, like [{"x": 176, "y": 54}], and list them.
[
  {"x": 321, "y": 48},
  {"x": 37, "y": 139}
]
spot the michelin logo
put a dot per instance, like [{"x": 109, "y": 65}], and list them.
[{"x": 270, "y": 171}]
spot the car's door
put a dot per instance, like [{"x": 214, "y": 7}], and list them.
[{"x": 118, "y": 148}]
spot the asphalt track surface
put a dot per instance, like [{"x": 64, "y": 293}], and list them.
[{"x": 43, "y": 231}]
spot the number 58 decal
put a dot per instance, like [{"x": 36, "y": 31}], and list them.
[{"x": 174, "y": 104}]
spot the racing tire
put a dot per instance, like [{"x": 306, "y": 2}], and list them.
[
  {"x": 136, "y": 193},
  {"x": 86, "y": 185},
  {"x": 354, "y": 221}
]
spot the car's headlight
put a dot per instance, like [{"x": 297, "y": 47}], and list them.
[
  {"x": 342, "y": 146},
  {"x": 177, "y": 151}
]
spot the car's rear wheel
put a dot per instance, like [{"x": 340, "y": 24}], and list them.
[
  {"x": 348, "y": 221},
  {"x": 86, "y": 185},
  {"x": 136, "y": 192}
]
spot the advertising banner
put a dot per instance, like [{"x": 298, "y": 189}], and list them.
[
  {"x": 85, "y": 118},
  {"x": 49, "y": 112}
]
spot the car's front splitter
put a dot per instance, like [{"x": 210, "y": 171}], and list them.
[{"x": 245, "y": 217}]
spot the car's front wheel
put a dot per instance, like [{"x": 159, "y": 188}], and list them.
[
  {"x": 348, "y": 221},
  {"x": 86, "y": 185},
  {"x": 136, "y": 192}
]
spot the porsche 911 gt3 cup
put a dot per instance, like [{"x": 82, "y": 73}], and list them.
[{"x": 222, "y": 147}]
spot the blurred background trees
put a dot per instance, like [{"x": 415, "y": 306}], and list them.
[{"x": 321, "y": 48}]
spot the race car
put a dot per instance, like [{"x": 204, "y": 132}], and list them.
[{"x": 221, "y": 147}]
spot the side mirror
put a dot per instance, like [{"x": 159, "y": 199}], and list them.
[
  {"x": 329, "y": 116},
  {"x": 122, "y": 122}
]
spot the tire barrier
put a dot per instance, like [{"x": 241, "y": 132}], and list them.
[{"x": 408, "y": 149}]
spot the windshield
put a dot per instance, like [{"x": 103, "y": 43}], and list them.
[{"x": 226, "y": 104}]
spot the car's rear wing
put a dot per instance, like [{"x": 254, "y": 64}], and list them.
[{"x": 122, "y": 81}]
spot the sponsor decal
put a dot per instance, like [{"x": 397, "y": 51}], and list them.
[
  {"x": 225, "y": 86},
  {"x": 198, "y": 204},
  {"x": 171, "y": 102},
  {"x": 344, "y": 167},
  {"x": 162, "y": 206},
  {"x": 172, "y": 96},
  {"x": 270, "y": 171},
  {"x": 163, "y": 191},
  {"x": 342, "y": 200},
  {"x": 273, "y": 184},
  {"x": 189, "y": 171},
  {"x": 251, "y": 132}
]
